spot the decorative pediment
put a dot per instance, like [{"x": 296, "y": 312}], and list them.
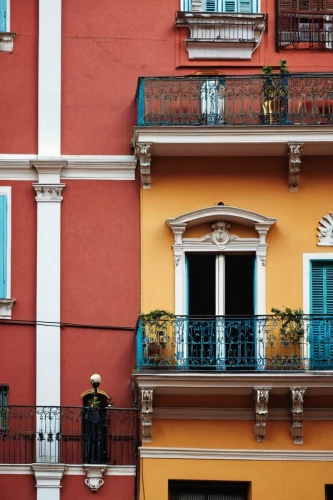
[{"x": 325, "y": 228}]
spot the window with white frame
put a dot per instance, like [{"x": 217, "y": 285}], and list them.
[
  {"x": 6, "y": 37},
  {"x": 226, "y": 6}
]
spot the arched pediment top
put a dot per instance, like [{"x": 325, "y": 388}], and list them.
[{"x": 220, "y": 213}]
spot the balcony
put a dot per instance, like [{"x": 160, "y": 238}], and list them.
[
  {"x": 223, "y": 343},
  {"x": 68, "y": 435},
  {"x": 304, "y": 30}
]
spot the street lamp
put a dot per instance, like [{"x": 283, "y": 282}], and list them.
[{"x": 95, "y": 381}]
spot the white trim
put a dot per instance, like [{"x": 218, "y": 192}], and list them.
[
  {"x": 8, "y": 469},
  {"x": 8, "y": 15},
  {"x": 216, "y": 454},
  {"x": 113, "y": 167},
  {"x": 307, "y": 258},
  {"x": 49, "y": 78},
  {"x": 7, "y": 191},
  {"x": 71, "y": 470}
]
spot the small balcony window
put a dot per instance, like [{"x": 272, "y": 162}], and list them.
[
  {"x": 304, "y": 24},
  {"x": 226, "y": 6}
]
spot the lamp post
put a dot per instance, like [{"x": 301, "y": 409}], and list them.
[{"x": 95, "y": 381}]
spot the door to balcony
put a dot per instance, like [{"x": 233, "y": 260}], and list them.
[
  {"x": 321, "y": 334},
  {"x": 220, "y": 306}
]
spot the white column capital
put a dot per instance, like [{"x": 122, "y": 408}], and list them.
[
  {"x": 48, "y": 170},
  {"x": 49, "y": 192},
  {"x": 48, "y": 475}
]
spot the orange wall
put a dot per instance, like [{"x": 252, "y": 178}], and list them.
[
  {"x": 271, "y": 479},
  {"x": 181, "y": 185}
]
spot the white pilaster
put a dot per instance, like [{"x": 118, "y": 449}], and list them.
[
  {"x": 49, "y": 78},
  {"x": 48, "y": 478},
  {"x": 48, "y": 200}
]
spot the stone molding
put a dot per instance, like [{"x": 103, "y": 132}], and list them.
[
  {"x": 94, "y": 478},
  {"x": 147, "y": 414},
  {"x": 143, "y": 153},
  {"x": 70, "y": 470},
  {"x": 6, "y": 308},
  {"x": 49, "y": 192},
  {"x": 7, "y": 41},
  {"x": 297, "y": 399},
  {"x": 48, "y": 475},
  {"x": 241, "y": 454},
  {"x": 295, "y": 151},
  {"x": 325, "y": 228},
  {"x": 261, "y": 397},
  {"x": 20, "y": 167}
]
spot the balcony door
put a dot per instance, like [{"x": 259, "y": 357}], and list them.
[
  {"x": 220, "y": 303},
  {"x": 321, "y": 339}
]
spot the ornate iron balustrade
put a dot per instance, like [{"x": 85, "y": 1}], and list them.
[
  {"x": 228, "y": 343},
  {"x": 304, "y": 30},
  {"x": 70, "y": 435},
  {"x": 293, "y": 99}
]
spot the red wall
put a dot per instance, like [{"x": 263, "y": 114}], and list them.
[
  {"x": 18, "y": 84},
  {"x": 99, "y": 286},
  {"x": 15, "y": 487},
  {"x": 115, "y": 487},
  {"x": 18, "y": 345}
]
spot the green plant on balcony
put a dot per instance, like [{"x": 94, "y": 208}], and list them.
[
  {"x": 290, "y": 326},
  {"x": 274, "y": 93},
  {"x": 155, "y": 333}
]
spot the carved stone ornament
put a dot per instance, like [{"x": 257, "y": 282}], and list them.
[
  {"x": 94, "y": 476},
  {"x": 147, "y": 414},
  {"x": 261, "y": 406},
  {"x": 325, "y": 235},
  {"x": 220, "y": 235},
  {"x": 297, "y": 399},
  {"x": 49, "y": 192},
  {"x": 295, "y": 152},
  {"x": 143, "y": 153}
]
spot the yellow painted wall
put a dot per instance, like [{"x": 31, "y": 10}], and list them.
[
  {"x": 225, "y": 434},
  {"x": 269, "y": 480},
  {"x": 260, "y": 184}
]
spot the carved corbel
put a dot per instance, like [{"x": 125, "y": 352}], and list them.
[
  {"x": 261, "y": 406},
  {"x": 297, "y": 399},
  {"x": 94, "y": 476},
  {"x": 143, "y": 154},
  {"x": 294, "y": 151},
  {"x": 147, "y": 414}
]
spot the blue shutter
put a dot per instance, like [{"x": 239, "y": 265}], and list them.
[
  {"x": 3, "y": 246},
  {"x": 210, "y": 5},
  {"x": 322, "y": 303},
  {"x": 3, "y": 15},
  {"x": 229, "y": 5},
  {"x": 245, "y": 6}
]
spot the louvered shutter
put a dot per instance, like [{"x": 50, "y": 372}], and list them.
[
  {"x": 322, "y": 303},
  {"x": 229, "y": 6},
  {"x": 245, "y": 6},
  {"x": 329, "y": 5},
  {"x": 3, "y": 246},
  {"x": 3, "y": 15},
  {"x": 211, "y": 5}
]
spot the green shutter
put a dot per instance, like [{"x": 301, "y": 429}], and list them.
[
  {"x": 322, "y": 303},
  {"x": 229, "y": 5},
  {"x": 3, "y": 246},
  {"x": 3, "y": 15},
  {"x": 245, "y": 6}
]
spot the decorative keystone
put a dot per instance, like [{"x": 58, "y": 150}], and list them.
[
  {"x": 295, "y": 152},
  {"x": 94, "y": 476},
  {"x": 261, "y": 406},
  {"x": 297, "y": 399},
  {"x": 147, "y": 414}
]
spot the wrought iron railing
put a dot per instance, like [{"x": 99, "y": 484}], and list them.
[
  {"x": 303, "y": 342},
  {"x": 304, "y": 30},
  {"x": 292, "y": 99},
  {"x": 70, "y": 435}
]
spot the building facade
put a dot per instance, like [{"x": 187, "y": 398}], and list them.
[
  {"x": 234, "y": 344},
  {"x": 159, "y": 166}
]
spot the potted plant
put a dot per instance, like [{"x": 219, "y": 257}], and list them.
[
  {"x": 155, "y": 331},
  {"x": 291, "y": 332},
  {"x": 275, "y": 94}
]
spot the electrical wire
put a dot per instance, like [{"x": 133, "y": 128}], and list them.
[{"x": 60, "y": 324}]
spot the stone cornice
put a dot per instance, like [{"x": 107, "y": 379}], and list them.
[
  {"x": 219, "y": 454},
  {"x": 19, "y": 167},
  {"x": 71, "y": 470}
]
